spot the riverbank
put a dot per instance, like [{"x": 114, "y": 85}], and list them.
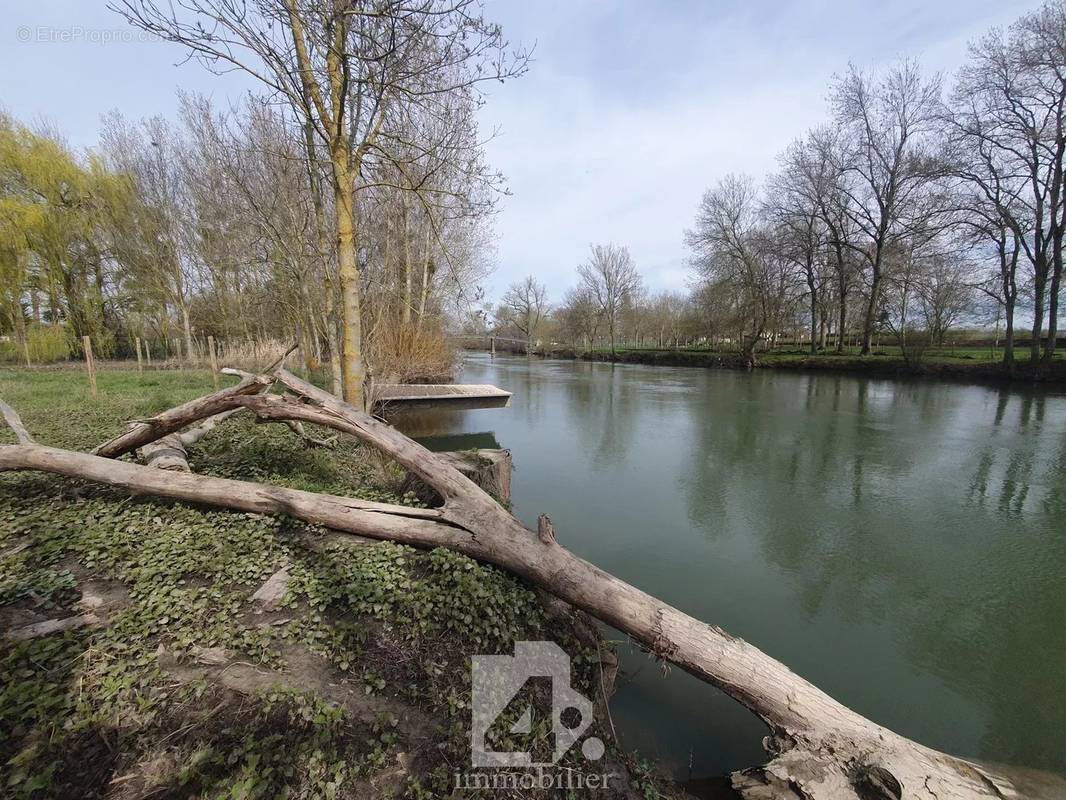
[
  {"x": 966, "y": 367},
  {"x": 235, "y": 655}
]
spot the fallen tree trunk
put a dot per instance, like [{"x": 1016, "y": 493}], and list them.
[
  {"x": 145, "y": 432},
  {"x": 171, "y": 452},
  {"x": 820, "y": 748}
]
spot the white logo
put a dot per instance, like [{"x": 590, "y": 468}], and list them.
[{"x": 496, "y": 680}]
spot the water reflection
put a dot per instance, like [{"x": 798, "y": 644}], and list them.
[{"x": 901, "y": 544}]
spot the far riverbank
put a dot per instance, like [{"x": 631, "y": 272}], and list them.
[{"x": 968, "y": 367}]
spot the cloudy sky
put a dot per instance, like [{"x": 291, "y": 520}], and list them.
[{"x": 629, "y": 111}]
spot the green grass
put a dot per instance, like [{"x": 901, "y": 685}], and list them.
[
  {"x": 126, "y": 710},
  {"x": 56, "y": 406}
]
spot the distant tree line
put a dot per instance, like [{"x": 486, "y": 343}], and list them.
[{"x": 911, "y": 211}]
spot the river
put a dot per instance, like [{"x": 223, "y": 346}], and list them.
[{"x": 900, "y": 544}]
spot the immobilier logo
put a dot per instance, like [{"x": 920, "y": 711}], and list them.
[{"x": 496, "y": 681}]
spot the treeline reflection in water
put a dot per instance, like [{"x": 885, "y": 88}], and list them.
[{"x": 900, "y": 544}]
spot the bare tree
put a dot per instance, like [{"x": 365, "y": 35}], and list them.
[
  {"x": 578, "y": 318},
  {"x": 887, "y": 166},
  {"x": 992, "y": 216},
  {"x": 945, "y": 295},
  {"x": 610, "y": 277},
  {"x": 353, "y": 74},
  {"x": 1010, "y": 106},
  {"x": 732, "y": 249},
  {"x": 526, "y": 305},
  {"x": 668, "y": 311},
  {"x": 796, "y": 203},
  {"x": 158, "y": 240}
]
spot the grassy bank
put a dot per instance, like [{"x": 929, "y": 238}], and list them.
[
  {"x": 355, "y": 683},
  {"x": 966, "y": 364}
]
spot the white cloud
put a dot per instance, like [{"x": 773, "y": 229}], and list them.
[{"x": 629, "y": 112}]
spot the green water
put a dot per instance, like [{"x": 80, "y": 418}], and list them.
[{"x": 900, "y": 544}]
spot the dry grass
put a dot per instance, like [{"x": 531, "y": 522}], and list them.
[
  {"x": 408, "y": 354},
  {"x": 252, "y": 356}
]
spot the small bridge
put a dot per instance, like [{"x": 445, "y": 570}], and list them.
[
  {"x": 403, "y": 396},
  {"x": 512, "y": 345}
]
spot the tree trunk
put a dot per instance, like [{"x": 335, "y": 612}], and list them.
[
  {"x": 186, "y": 327},
  {"x": 333, "y": 343},
  {"x": 408, "y": 287},
  {"x": 171, "y": 452},
  {"x": 1010, "y": 299},
  {"x": 1053, "y": 299},
  {"x": 842, "y": 293},
  {"x": 349, "y": 278},
  {"x": 749, "y": 344},
  {"x": 871, "y": 310},
  {"x": 1039, "y": 283},
  {"x": 842, "y": 322},
  {"x": 427, "y": 273},
  {"x": 139, "y": 434},
  {"x": 814, "y": 316},
  {"x": 21, "y": 333}
]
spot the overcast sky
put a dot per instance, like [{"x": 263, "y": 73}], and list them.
[{"x": 629, "y": 111}]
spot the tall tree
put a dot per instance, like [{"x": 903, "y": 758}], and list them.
[
  {"x": 888, "y": 167},
  {"x": 610, "y": 277},
  {"x": 796, "y": 204},
  {"x": 157, "y": 242},
  {"x": 53, "y": 237},
  {"x": 1011, "y": 112},
  {"x": 992, "y": 214},
  {"x": 732, "y": 249},
  {"x": 352, "y": 73},
  {"x": 526, "y": 305},
  {"x": 578, "y": 317}
]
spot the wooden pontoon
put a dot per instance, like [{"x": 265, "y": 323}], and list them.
[{"x": 397, "y": 396}]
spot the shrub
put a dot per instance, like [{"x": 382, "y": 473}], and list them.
[
  {"x": 46, "y": 343},
  {"x": 410, "y": 354}
]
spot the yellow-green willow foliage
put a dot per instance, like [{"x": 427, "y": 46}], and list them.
[{"x": 56, "y": 211}]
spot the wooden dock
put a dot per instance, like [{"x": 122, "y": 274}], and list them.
[{"x": 397, "y": 396}]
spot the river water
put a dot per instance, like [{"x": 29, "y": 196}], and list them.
[{"x": 900, "y": 544}]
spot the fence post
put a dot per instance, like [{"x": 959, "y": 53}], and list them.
[
  {"x": 90, "y": 365},
  {"x": 214, "y": 365}
]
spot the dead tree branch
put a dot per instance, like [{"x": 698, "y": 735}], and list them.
[{"x": 14, "y": 421}]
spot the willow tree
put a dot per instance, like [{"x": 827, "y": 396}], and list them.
[
  {"x": 350, "y": 70},
  {"x": 53, "y": 241}
]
